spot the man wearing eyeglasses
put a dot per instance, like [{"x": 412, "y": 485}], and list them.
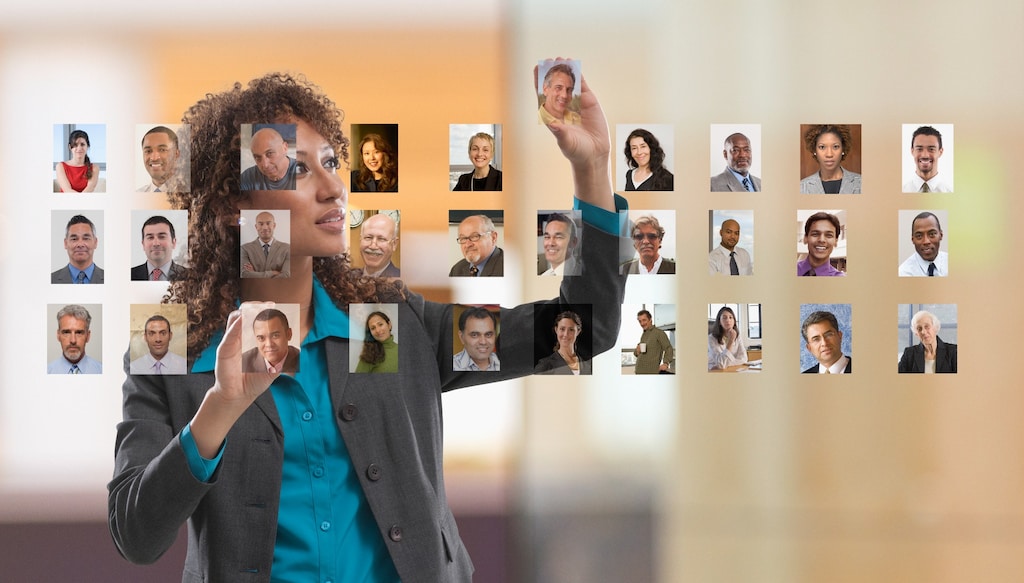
[
  {"x": 647, "y": 234},
  {"x": 478, "y": 241},
  {"x": 825, "y": 342},
  {"x": 378, "y": 239}
]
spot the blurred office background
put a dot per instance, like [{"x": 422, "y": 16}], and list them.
[{"x": 690, "y": 477}]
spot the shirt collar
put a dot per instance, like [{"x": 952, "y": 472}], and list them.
[
  {"x": 88, "y": 271},
  {"x": 328, "y": 320}
]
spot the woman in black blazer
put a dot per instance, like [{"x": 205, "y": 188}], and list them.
[{"x": 932, "y": 355}]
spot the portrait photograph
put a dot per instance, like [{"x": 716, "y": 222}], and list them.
[
  {"x": 826, "y": 338},
  {"x": 373, "y": 330},
  {"x": 271, "y": 338},
  {"x": 76, "y": 254},
  {"x": 647, "y": 339},
  {"x": 158, "y": 245},
  {"x": 820, "y": 250},
  {"x": 735, "y": 156},
  {"x": 158, "y": 339},
  {"x": 644, "y": 155},
  {"x": 830, "y": 158},
  {"x": 373, "y": 157},
  {"x": 731, "y": 242},
  {"x": 477, "y": 236},
  {"x": 74, "y": 339},
  {"x": 927, "y": 160},
  {"x": 734, "y": 337},
  {"x": 563, "y": 338},
  {"x": 927, "y": 338},
  {"x": 924, "y": 240},
  {"x": 265, "y": 236},
  {"x": 79, "y": 157},
  {"x": 163, "y": 158},
  {"x": 559, "y": 242},
  {"x": 652, "y": 236},
  {"x": 476, "y": 331},
  {"x": 268, "y": 156},
  {"x": 474, "y": 157},
  {"x": 375, "y": 234},
  {"x": 558, "y": 91}
]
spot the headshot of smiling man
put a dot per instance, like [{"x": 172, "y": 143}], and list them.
[
  {"x": 823, "y": 241},
  {"x": 558, "y": 243},
  {"x": 378, "y": 240},
  {"x": 928, "y": 158},
  {"x": 556, "y": 89},
  {"x": 165, "y": 166},
  {"x": 273, "y": 338},
  {"x": 478, "y": 337},
  {"x": 266, "y": 163},
  {"x": 923, "y": 254},
  {"x": 653, "y": 239},
  {"x": 75, "y": 258},
  {"x": 476, "y": 237}
]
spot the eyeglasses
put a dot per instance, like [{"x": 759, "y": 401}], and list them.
[
  {"x": 649, "y": 236},
  {"x": 469, "y": 238}
]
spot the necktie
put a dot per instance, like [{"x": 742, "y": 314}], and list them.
[
  {"x": 473, "y": 270},
  {"x": 931, "y": 270},
  {"x": 748, "y": 184},
  {"x": 266, "y": 249},
  {"x": 157, "y": 189},
  {"x": 155, "y": 276},
  {"x": 924, "y": 187},
  {"x": 159, "y": 366},
  {"x": 811, "y": 272},
  {"x": 81, "y": 277},
  {"x": 733, "y": 268},
  {"x": 828, "y": 371},
  {"x": 75, "y": 369}
]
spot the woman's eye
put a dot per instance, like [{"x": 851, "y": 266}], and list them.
[
  {"x": 301, "y": 168},
  {"x": 332, "y": 163}
]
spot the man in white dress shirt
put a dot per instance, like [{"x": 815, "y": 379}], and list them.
[
  {"x": 926, "y": 149},
  {"x": 727, "y": 258},
  {"x": 159, "y": 359},
  {"x": 160, "y": 158},
  {"x": 927, "y": 260}
]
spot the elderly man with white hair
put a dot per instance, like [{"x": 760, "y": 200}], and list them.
[{"x": 931, "y": 355}]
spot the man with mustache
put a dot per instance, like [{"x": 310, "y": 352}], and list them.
[
  {"x": 478, "y": 241},
  {"x": 926, "y": 149},
  {"x": 927, "y": 260},
  {"x": 736, "y": 177},
  {"x": 647, "y": 234},
  {"x": 378, "y": 239},
  {"x": 158, "y": 242},
  {"x": 73, "y": 333}
]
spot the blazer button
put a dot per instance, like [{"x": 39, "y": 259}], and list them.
[
  {"x": 373, "y": 472},
  {"x": 348, "y": 412},
  {"x": 395, "y": 533}
]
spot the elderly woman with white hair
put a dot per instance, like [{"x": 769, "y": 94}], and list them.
[{"x": 931, "y": 355}]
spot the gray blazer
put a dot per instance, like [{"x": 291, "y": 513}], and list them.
[
  {"x": 278, "y": 259},
  {"x": 849, "y": 185},
  {"x": 63, "y": 275},
  {"x": 391, "y": 426},
  {"x": 726, "y": 182}
]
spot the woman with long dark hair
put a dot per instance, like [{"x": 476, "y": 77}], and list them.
[
  {"x": 380, "y": 352},
  {"x": 725, "y": 346},
  {"x": 645, "y": 159},
  {"x": 379, "y": 172},
  {"x": 79, "y": 173}
]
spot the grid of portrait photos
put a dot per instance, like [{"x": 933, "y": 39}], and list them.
[{"x": 650, "y": 246}]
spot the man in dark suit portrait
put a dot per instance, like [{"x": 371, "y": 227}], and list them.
[
  {"x": 266, "y": 256},
  {"x": 158, "y": 242},
  {"x": 272, "y": 352},
  {"x": 825, "y": 342},
  {"x": 736, "y": 177},
  {"x": 80, "y": 242},
  {"x": 931, "y": 355},
  {"x": 647, "y": 234},
  {"x": 378, "y": 239},
  {"x": 478, "y": 240}
]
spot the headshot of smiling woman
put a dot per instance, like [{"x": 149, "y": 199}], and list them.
[{"x": 378, "y": 168}]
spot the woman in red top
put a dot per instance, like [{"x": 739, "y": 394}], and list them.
[{"x": 78, "y": 174}]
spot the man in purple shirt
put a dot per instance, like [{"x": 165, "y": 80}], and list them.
[{"x": 821, "y": 231}]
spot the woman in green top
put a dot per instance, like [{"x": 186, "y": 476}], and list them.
[{"x": 380, "y": 353}]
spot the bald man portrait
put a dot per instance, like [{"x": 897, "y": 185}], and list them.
[
  {"x": 274, "y": 170},
  {"x": 266, "y": 256},
  {"x": 736, "y": 177}
]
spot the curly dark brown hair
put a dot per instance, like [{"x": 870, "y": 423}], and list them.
[
  {"x": 842, "y": 131},
  {"x": 211, "y": 287}
]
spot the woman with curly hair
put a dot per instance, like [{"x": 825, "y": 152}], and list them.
[
  {"x": 380, "y": 352},
  {"x": 320, "y": 475},
  {"x": 725, "y": 347},
  {"x": 645, "y": 159},
  {"x": 829, "y": 144},
  {"x": 379, "y": 172}
]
